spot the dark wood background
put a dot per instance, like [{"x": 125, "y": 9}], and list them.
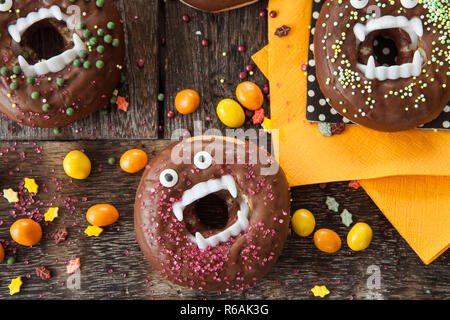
[{"x": 112, "y": 265}]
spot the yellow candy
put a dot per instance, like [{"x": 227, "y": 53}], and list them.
[
  {"x": 359, "y": 237},
  {"x": 51, "y": 214},
  {"x": 303, "y": 222},
  {"x": 231, "y": 113},
  {"x": 77, "y": 165}
]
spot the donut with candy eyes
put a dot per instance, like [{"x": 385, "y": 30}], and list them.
[
  {"x": 54, "y": 91},
  {"x": 191, "y": 252},
  {"x": 402, "y": 95},
  {"x": 217, "y": 5}
]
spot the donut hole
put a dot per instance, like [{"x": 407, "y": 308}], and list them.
[
  {"x": 43, "y": 40},
  {"x": 385, "y": 51},
  {"x": 212, "y": 211}
]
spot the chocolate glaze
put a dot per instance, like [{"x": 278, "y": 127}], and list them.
[
  {"x": 390, "y": 112},
  {"x": 84, "y": 90},
  {"x": 217, "y": 5},
  {"x": 242, "y": 260}
]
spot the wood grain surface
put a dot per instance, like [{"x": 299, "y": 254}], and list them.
[{"x": 113, "y": 266}]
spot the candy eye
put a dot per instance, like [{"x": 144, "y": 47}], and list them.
[
  {"x": 5, "y": 5},
  {"x": 359, "y": 4},
  {"x": 409, "y": 4},
  {"x": 203, "y": 160},
  {"x": 168, "y": 178}
]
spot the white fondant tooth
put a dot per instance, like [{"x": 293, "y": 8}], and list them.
[
  {"x": 416, "y": 25},
  {"x": 371, "y": 68},
  {"x": 360, "y": 32},
  {"x": 24, "y": 65},
  {"x": 56, "y": 12},
  {"x": 201, "y": 242},
  {"x": 178, "y": 211},
  {"x": 417, "y": 64},
  {"x": 228, "y": 181},
  {"x": 242, "y": 218},
  {"x": 14, "y": 33}
]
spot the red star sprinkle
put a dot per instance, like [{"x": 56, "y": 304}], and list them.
[
  {"x": 122, "y": 103},
  {"x": 354, "y": 184}
]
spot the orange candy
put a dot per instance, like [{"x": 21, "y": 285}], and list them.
[
  {"x": 102, "y": 215},
  {"x": 133, "y": 161},
  {"x": 327, "y": 240},
  {"x": 187, "y": 101},
  {"x": 26, "y": 232},
  {"x": 249, "y": 95},
  {"x": 2, "y": 253}
]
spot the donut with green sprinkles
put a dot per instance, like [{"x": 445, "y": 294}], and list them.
[
  {"x": 386, "y": 90},
  {"x": 56, "y": 91}
]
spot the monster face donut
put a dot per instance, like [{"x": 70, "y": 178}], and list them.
[
  {"x": 407, "y": 92},
  {"x": 217, "y": 5},
  {"x": 54, "y": 91},
  {"x": 188, "y": 250}
]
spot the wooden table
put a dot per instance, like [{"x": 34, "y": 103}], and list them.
[{"x": 112, "y": 264}]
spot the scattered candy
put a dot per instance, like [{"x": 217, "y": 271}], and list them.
[
  {"x": 102, "y": 215},
  {"x": 73, "y": 265},
  {"x": 61, "y": 235},
  {"x": 325, "y": 129},
  {"x": 133, "y": 160},
  {"x": 327, "y": 240},
  {"x": 10, "y": 195},
  {"x": 77, "y": 165},
  {"x": 51, "y": 214},
  {"x": 122, "y": 103},
  {"x": 2, "y": 253},
  {"x": 320, "y": 291},
  {"x": 231, "y": 113},
  {"x": 93, "y": 231},
  {"x": 267, "y": 125},
  {"x": 346, "y": 218},
  {"x": 258, "y": 117},
  {"x": 360, "y": 236},
  {"x": 249, "y": 95},
  {"x": 187, "y": 101},
  {"x": 332, "y": 204},
  {"x": 15, "y": 285},
  {"x": 26, "y": 232},
  {"x": 43, "y": 273},
  {"x": 354, "y": 184},
  {"x": 303, "y": 222},
  {"x": 31, "y": 186}
]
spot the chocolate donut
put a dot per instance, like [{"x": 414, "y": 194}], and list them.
[
  {"x": 217, "y": 5},
  {"x": 81, "y": 78},
  {"x": 188, "y": 250},
  {"x": 404, "y": 94}
]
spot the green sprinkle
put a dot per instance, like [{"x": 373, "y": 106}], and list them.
[
  {"x": 83, "y": 54},
  {"x": 100, "y": 32},
  {"x": 99, "y": 64},
  {"x": 93, "y": 41},
  {"x": 100, "y": 49},
  {"x": 25, "y": 54},
  {"x": 35, "y": 95},
  {"x": 56, "y": 131},
  {"x": 70, "y": 111},
  {"x": 161, "y": 97},
  {"x": 100, "y": 3},
  {"x": 104, "y": 112},
  {"x": 325, "y": 129},
  {"x": 113, "y": 99},
  {"x": 77, "y": 63},
  {"x": 108, "y": 38},
  {"x": 45, "y": 107},
  {"x": 111, "y": 161},
  {"x": 110, "y": 25},
  {"x": 116, "y": 42},
  {"x": 31, "y": 80},
  {"x": 87, "y": 64},
  {"x": 81, "y": 25},
  {"x": 87, "y": 34},
  {"x": 14, "y": 86},
  {"x": 60, "y": 82},
  {"x": 11, "y": 261},
  {"x": 4, "y": 71}
]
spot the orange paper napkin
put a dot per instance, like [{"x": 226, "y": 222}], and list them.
[{"x": 358, "y": 153}]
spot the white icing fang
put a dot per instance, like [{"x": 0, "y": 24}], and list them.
[
  {"x": 203, "y": 189},
  {"x": 413, "y": 27},
  {"x": 56, "y": 63}
]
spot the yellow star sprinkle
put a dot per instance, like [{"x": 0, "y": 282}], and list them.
[
  {"x": 15, "y": 285},
  {"x": 31, "y": 186},
  {"x": 93, "y": 231},
  {"x": 10, "y": 195},
  {"x": 51, "y": 214},
  {"x": 321, "y": 291},
  {"x": 267, "y": 125}
]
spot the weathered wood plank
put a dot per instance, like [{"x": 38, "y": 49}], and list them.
[
  {"x": 114, "y": 267},
  {"x": 141, "y": 20},
  {"x": 189, "y": 65}
]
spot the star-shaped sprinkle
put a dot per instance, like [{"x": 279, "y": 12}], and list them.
[
  {"x": 43, "y": 273},
  {"x": 73, "y": 265},
  {"x": 354, "y": 184},
  {"x": 61, "y": 235},
  {"x": 31, "y": 185},
  {"x": 122, "y": 103},
  {"x": 320, "y": 291},
  {"x": 337, "y": 128},
  {"x": 10, "y": 195},
  {"x": 325, "y": 129},
  {"x": 15, "y": 285},
  {"x": 51, "y": 214},
  {"x": 332, "y": 204},
  {"x": 346, "y": 217},
  {"x": 282, "y": 31},
  {"x": 93, "y": 231},
  {"x": 267, "y": 125}
]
